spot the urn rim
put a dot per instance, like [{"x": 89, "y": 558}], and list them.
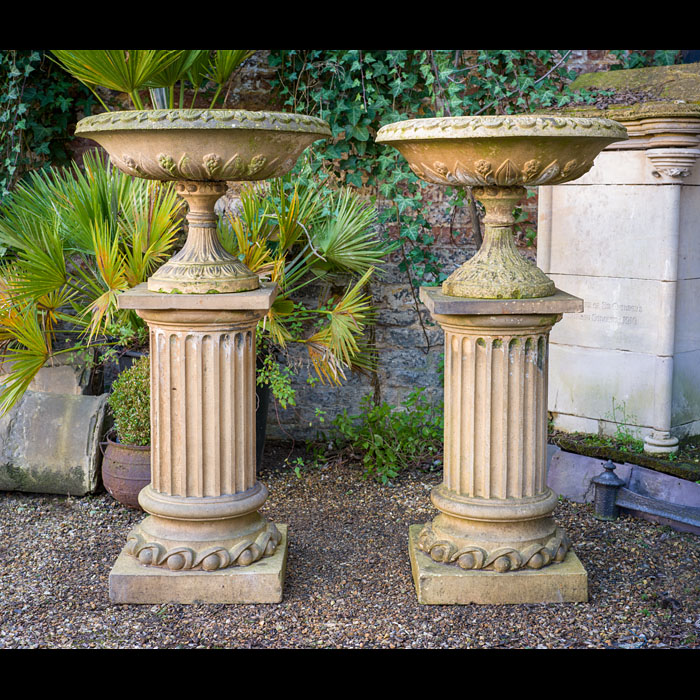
[
  {"x": 510, "y": 125},
  {"x": 188, "y": 119}
]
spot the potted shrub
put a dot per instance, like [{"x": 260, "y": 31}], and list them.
[{"x": 126, "y": 466}]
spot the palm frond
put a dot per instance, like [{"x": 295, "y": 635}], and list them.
[
  {"x": 274, "y": 321},
  {"x": 148, "y": 229},
  {"x": 122, "y": 70},
  {"x": 223, "y": 65},
  {"x": 329, "y": 368},
  {"x": 111, "y": 265},
  {"x": 197, "y": 72},
  {"x": 337, "y": 345},
  {"x": 346, "y": 240},
  {"x": 176, "y": 70},
  {"x": 29, "y": 352},
  {"x": 40, "y": 264}
]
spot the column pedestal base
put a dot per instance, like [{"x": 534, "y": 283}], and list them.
[
  {"x": 445, "y": 584},
  {"x": 260, "y": 582},
  {"x": 203, "y": 540},
  {"x": 495, "y": 540}
]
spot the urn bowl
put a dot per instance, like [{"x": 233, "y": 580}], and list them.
[{"x": 502, "y": 151}]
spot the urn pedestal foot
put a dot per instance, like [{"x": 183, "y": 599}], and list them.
[
  {"x": 441, "y": 584},
  {"x": 260, "y": 582}
]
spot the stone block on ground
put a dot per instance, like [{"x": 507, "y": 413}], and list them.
[
  {"x": 50, "y": 443},
  {"x": 260, "y": 582},
  {"x": 67, "y": 373},
  {"x": 447, "y": 584}
]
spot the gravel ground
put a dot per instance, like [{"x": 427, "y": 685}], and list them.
[{"x": 348, "y": 582}]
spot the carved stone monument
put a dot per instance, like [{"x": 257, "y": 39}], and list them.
[
  {"x": 624, "y": 237},
  {"x": 494, "y": 539},
  {"x": 203, "y": 539}
]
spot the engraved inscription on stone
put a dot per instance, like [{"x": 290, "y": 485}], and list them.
[{"x": 610, "y": 313}]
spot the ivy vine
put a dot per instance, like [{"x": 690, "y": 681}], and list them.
[
  {"x": 359, "y": 91},
  {"x": 641, "y": 59},
  {"x": 38, "y": 104}
]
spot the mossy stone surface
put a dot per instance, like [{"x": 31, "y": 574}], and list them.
[
  {"x": 679, "y": 469},
  {"x": 665, "y": 83}
]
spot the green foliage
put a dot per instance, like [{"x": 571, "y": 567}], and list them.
[
  {"x": 626, "y": 437},
  {"x": 13, "y": 115},
  {"x": 641, "y": 59},
  {"x": 37, "y": 106},
  {"x": 133, "y": 71},
  {"x": 319, "y": 246},
  {"x": 357, "y": 92},
  {"x": 389, "y": 439},
  {"x": 74, "y": 241},
  {"x": 278, "y": 377},
  {"x": 130, "y": 402}
]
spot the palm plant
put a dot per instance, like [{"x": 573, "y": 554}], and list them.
[
  {"x": 134, "y": 71},
  {"x": 306, "y": 238},
  {"x": 73, "y": 241}
]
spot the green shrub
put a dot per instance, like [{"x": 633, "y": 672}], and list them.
[
  {"x": 389, "y": 439},
  {"x": 130, "y": 402}
]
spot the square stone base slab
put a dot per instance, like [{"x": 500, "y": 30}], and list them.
[
  {"x": 443, "y": 584},
  {"x": 261, "y": 582}
]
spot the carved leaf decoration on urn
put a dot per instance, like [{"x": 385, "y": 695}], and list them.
[
  {"x": 256, "y": 164},
  {"x": 165, "y": 167},
  {"x": 507, "y": 174}
]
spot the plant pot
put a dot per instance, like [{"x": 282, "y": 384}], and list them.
[
  {"x": 127, "y": 358},
  {"x": 126, "y": 469}
]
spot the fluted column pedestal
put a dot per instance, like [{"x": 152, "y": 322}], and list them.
[
  {"x": 495, "y": 540},
  {"x": 203, "y": 539}
]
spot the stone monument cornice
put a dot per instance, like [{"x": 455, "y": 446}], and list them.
[{"x": 651, "y": 124}]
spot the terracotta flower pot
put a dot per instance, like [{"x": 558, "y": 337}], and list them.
[{"x": 126, "y": 469}]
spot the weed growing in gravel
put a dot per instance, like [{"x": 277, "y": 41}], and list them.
[
  {"x": 388, "y": 439},
  {"x": 299, "y": 465}
]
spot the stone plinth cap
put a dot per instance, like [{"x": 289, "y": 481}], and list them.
[
  {"x": 256, "y": 300},
  {"x": 667, "y": 113},
  {"x": 439, "y": 303}
]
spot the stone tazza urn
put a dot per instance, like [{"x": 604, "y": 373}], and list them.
[
  {"x": 499, "y": 157},
  {"x": 200, "y": 150},
  {"x": 496, "y": 310}
]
